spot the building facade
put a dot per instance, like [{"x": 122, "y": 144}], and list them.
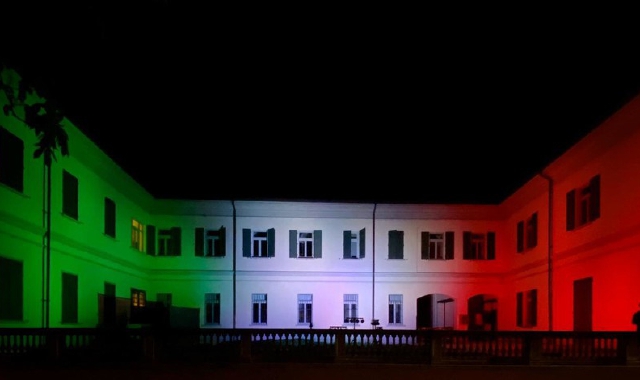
[{"x": 561, "y": 253}]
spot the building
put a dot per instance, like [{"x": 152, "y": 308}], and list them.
[{"x": 561, "y": 253}]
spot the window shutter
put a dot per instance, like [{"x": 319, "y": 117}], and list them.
[
  {"x": 293, "y": 244},
  {"x": 424, "y": 248},
  {"x": 11, "y": 289},
  {"x": 199, "y": 241},
  {"x": 109, "y": 217},
  {"x": 151, "y": 240},
  {"x": 448, "y": 245},
  {"x": 12, "y": 157},
  {"x": 491, "y": 245},
  {"x": 534, "y": 230},
  {"x": 594, "y": 210},
  {"x": 346, "y": 312},
  {"x": 69, "y": 298},
  {"x": 362, "y": 238},
  {"x": 176, "y": 241},
  {"x": 520, "y": 236},
  {"x": 396, "y": 244},
  {"x": 391, "y": 320},
  {"x": 571, "y": 210},
  {"x": 519, "y": 309},
  {"x": 466, "y": 245},
  {"x": 271, "y": 242},
  {"x": 246, "y": 242},
  {"x": 222, "y": 238},
  {"x": 346, "y": 244},
  {"x": 534, "y": 307},
  {"x": 317, "y": 244}
]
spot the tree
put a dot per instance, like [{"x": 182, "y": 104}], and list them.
[{"x": 46, "y": 121}]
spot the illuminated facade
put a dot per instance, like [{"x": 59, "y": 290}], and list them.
[{"x": 561, "y": 253}]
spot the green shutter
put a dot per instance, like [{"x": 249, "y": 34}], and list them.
[
  {"x": 293, "y": 244},
  {"x": 448, "y": 245},
  {"x": 396, "y": 244},
  {"x": 199, "y": 243},
  {"x": 11, "y": 289},
  {"x": 271, "y": 242},
  {"x": 317, "y": 244},
  {"x": 246, "y": 242},
  {"x": 151, "y": 240},
  {"x": 424, "y": 247},
  {"x": 69, "y": 298},
  {"x": 346, "y": 244},
  {"x": 176, "y": 241}
]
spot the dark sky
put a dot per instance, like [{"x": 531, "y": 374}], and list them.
[{"x": 371, "y": 105}]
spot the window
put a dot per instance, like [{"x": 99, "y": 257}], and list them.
[
  {"x": 353, "y": 244},
  {"x": 109, "y": 217},
  {"x": 259, "y": 308},
  {"x": 11, "y": 290},
  {"x": 69, "y": 195},
  {"x": 478, "y": 246},
  {"x": 305, "y": 244},
  {"x": 527, "y": 234},
  {"x": 211, "y": 243},
  {"x": 350, "y": 307},
  {"x": 11, "y": 160},
  {"x": 137, "y": 235},
  {"x": 212, "y": 309},
  {"x": 305, "y": 307},
  {"x": 168, "y": 241},
  {"x": 583, "y": 204},
  {"x": 69, "y": 298},
  {"x": 258, "y": 243},
  {"x": 437, "y": 246},
  {"x": 395, "y": 309},
  {"x": 396, "y": 244},
  {"x": 526, "y": 306},
  {"x": 138, "y": 298}
]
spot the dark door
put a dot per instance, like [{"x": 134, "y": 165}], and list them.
[
  {"x": 582, "y": 304},
  {"x": 425, "y": 312}
]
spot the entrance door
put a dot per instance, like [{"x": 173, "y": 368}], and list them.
[{"x": 582, "y": 304}]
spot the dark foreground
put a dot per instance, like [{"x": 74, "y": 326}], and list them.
[{"x": 311, "y": 371}]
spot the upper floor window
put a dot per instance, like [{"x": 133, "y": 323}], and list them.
[
  {"x": 169, "y": 241},
  {"x": 305, "y": 243},
  {"x": 109, "y": 217},
  {"x": 437, "y": 246},
  {"x": 211, "y": 243},
  {"x": 353, "y": 244},
  {"x": 137, "y": 235},
  {"x": 583, "y": 204},
  {"x": 11, "y": 160},
  {"x": 478, "y": 246},
  {"x": 69, "y": 195},
  {"x": 526, "y": 308},
  {"x": 396, "y": 244},
  {"x": 258, "y": 243},
  {"x": 527, "y": 234}
]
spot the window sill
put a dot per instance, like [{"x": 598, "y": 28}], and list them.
[
  {"x": 212, "y": 257},
  {"x": 71, "y": 218},
  {"x": 13, "y": 321},
  {"x": 11, "y": 189}
]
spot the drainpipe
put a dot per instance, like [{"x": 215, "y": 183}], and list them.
[
  {"x": 233, "y": 204},
  {"x": 373, "y": 270},
  {"x": 550, "y": 249}
]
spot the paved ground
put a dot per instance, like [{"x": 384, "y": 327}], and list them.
[{"x": 298, "y": 371}]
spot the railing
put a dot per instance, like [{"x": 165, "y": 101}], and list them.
[{"x": 432, "y": 347}]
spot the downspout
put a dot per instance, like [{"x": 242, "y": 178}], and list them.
[
  {"x": 233, "y": 204},
  {"x": 373, "y": 269},
  {"x": 550, "y": 249}
]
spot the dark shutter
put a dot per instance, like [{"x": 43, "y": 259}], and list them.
[
  {"x": 466, "y": 245},
  {"x": 246, "y": 242},
  {"x": 69, "y": 195},
  {"x": 396, "y": 244},
  {"x": 256, "y": 312},
  {"x": 12, "y": 158},
  {"x": 271, "y": 242},
  {"x": 222, "y": 238},
  {"x": 293, "y": 244},
  {"x": 491, "y": 245},
  {"x": 263, "y": 309},
  {"x": 594, "y": 210},
  {"x": 361, "y": 243},
  {"x": 176, "y": 241},
  {"x": 519, "y": 309},
  {"x": 69, "y": 298},
  {"x": 424, "y": 248},
  {"x": 448, "y": 245},
  {"x": 391, "y": 320},
  {"x": 109, "y": 217},
  {"x": 346, "y": 244},
  {"x": 11, "y": 289},
  {"x": 317, "y": 244},
  {"x": 151, "y": 240},
  {"x": 520, "y": 236},
  {"x": 534, "y": 307},
  {"x": 199, "y": 241},
  {"x": 571, "y": 210}
]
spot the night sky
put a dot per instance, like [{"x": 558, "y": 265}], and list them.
[{"x": 316, "y": 104}]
